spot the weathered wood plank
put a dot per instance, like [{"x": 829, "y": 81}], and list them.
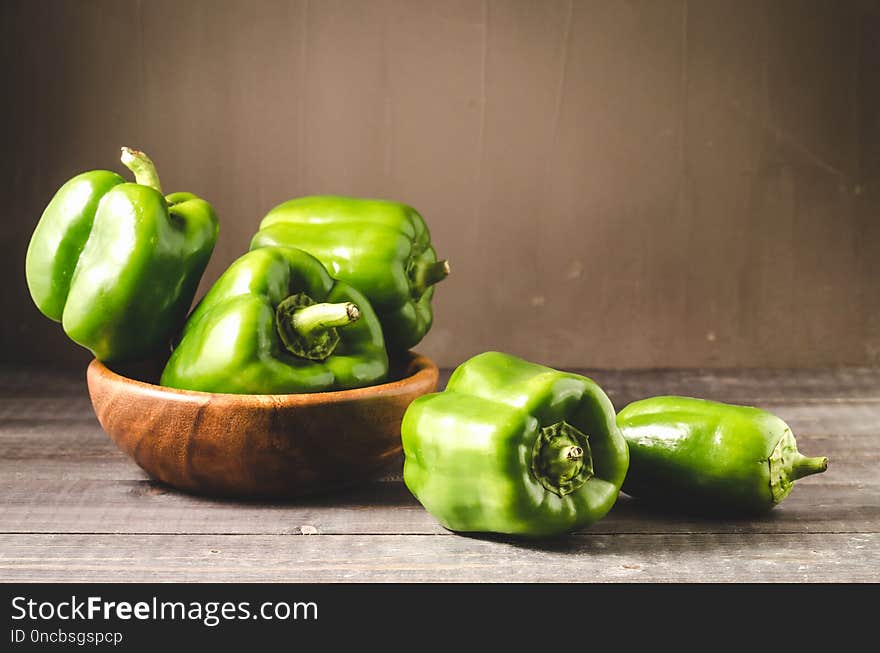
[
  {"x": 750, "y": 386},
  {"x": 72, "y": 507},
  {"x": 587, "y": 558},
  {"x": 47, "y": 486},
  {"x": 19, "y": 381},
  {"x": 59, "y": 477},
  {"x": 743, "y": 385},
  {"x": 39, "y": 426},
  {"x": 46, "y": 408},
  {"x": 131, "y": 507}
]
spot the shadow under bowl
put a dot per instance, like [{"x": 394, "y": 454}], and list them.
[{"x": 259, "y": 445}]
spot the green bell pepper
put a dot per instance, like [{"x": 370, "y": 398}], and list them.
[
  {"x": 380, "y": 247},
  {"x": 275, "y": 322},
  {"x": 117, "y": 263},
  {"x": 704, "y": 454},
  {"x": 514, "y": 447}
]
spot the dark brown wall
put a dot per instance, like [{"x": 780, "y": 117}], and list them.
[{"x": 616, "y": 184}]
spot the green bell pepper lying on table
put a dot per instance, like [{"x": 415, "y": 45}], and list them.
[
  {"x": 703, "y": 454},
  {"x": 380, "y": 247},
  {"x": 117, "y": 263},
  {"x": 275, "y": 322},
  {"x": 514, "y": 447}
]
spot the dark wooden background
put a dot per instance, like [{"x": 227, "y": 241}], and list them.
[{"x": 616, "y": 183}]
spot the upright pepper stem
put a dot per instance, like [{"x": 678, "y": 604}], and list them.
[
  {"x": 142, "y": 166},
  {"x": 561, "y": 458},
  {"x": 307, "y": 329},
  {"x": 425, "y": 274}
]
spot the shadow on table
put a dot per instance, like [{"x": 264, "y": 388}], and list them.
[
  {"x": 625, "y": 529},
  {"x": 642, "y": 513},
  {"x": 381, "y": 493}
]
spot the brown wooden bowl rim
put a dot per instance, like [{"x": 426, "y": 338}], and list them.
[{"x": 425, "y": 368}]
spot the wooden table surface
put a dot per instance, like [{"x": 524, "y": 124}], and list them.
[{"x": 76, "y": 509}]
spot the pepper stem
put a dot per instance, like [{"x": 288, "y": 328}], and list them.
[
  {"x": 425, "y": 274},
  {"x": 787, "y": 465},
  {"x": 561, "y": 458},
  {"x": 142, "y": 166},
  {"x": 804, "y": 466},
  {"x": 562, "y": 461},
  {"x": 320, "y": 317},
  {"x": 307, "y": 329}
]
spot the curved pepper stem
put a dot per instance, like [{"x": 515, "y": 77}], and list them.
[
  {"x": 307, "y": 329},
  {"x": 424, "y": 274},
  {"x": 142, "y": 166},
  {"x": 804, "y": 466},
  {"x": 318, "y": 318},
  {"x": 787, "y": 465}
]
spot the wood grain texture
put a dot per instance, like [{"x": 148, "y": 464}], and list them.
[
  {"x": 132, "y": 507},
  {"x": 382, "y": 558},
  {"x": 73, "y": 507},
  {"x": 616, "y": 184}
]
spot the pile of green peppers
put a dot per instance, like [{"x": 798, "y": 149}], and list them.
[{"x": 331, "y": 291}]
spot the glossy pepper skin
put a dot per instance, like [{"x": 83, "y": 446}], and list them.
[
  {"x": 275, "y": 322},
  {"x": 117, "y": 263},
  {"x": 711, "y": 456},
  {"x": 513, "y": 447},
  {"x": 380, "y": 247}
]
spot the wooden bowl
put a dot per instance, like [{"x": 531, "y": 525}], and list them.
[{"x": 259, "y": 445}]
